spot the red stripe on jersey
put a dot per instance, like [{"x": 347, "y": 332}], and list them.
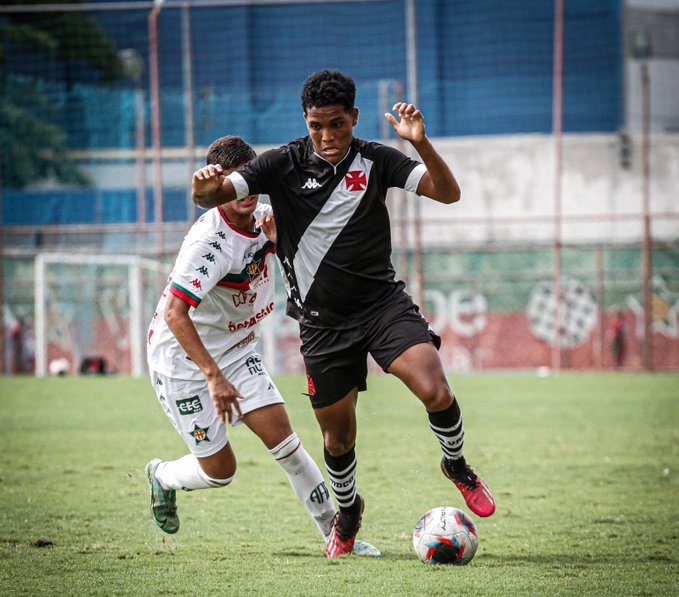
[
  {"x": 184, "y": 295},
  {"x": 244, "y": 285}
]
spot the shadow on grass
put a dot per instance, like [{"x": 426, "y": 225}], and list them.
[{"x": 573, "y": 560}]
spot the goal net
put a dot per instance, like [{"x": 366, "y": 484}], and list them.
[{"x": 92, "y": 311}]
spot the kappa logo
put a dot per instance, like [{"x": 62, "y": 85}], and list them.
[{"x": 311, "y": 183}]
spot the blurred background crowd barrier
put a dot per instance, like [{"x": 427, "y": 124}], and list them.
[{"x": 560, "y": 119}]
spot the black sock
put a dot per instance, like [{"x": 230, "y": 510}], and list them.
[
  {"x": 448, "y": 429},
  {"x": 342, "y": 474}
]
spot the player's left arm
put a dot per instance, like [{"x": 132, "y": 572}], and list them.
[
  {"x": 224, "y": 395},
  {"x": 438, "y": 182}
]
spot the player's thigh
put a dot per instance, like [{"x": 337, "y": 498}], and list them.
[
  {"x": 188, "y": 405},
  {"x": 396, "y": 330},
  {"x": 336, "y": 364},
  {"x": 255, "y": 386},
  {"x": 419, "y": 368}
]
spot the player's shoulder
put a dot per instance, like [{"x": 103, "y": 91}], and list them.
[
  {"x": 209, "y": 220},
  {"x": 211, "y": 228}
]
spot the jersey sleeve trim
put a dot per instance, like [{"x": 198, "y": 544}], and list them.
[
  {"x": 184, "y": 294},
  {"x": 415, "y": 177},
  {"x": 239, "y": 184}
]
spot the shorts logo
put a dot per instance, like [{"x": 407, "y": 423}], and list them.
[
  {"x": 199, "y": 434},
  {"x": 254, "y": 365},
  {"x": 311, "y": 388},
  {"x": 189, "y": 406}
]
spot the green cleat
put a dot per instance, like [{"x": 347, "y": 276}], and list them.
[{"x": 163, "y": 501}]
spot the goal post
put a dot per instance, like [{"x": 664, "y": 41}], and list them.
[{"x": 93, "y": 306}]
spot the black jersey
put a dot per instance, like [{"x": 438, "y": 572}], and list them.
[{"x": 334, "y": 237}]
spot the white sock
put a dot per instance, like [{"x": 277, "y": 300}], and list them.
[
  {"x": 186, "y": 473},
  {"x": 306, "y": 480}
]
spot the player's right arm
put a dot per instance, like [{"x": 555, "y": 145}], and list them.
[
  {"x": 210, "y": 187},
  {"x": 224, "y": 395}
]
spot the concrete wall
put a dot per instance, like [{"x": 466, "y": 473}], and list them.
[{"x": 508, "y": 189}]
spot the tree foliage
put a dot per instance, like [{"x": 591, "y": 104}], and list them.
[{"x": 33, "y": 146}]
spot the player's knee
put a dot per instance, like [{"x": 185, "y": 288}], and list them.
[
  {"x": 221, "y": 472},
  {"x": 437, "y": 397},
  {"x": 337, "y": 445}
]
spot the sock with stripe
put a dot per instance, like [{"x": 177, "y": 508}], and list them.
[
  {"x": 186, "y": 473},
  {"x": 342, "y": 473},
  {"x": 448, "y": 429},
  {"x": 306, "y": 480}
]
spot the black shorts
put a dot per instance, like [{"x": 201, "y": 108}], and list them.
[{"x": 337, "y": 360}]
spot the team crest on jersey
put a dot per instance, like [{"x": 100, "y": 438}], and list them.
[
  {"x": 199, "y": 434},
  {"x": 356, "y": 180},
  {"x": 252, "y": 270}
]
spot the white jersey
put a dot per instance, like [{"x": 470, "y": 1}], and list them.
[{"x": 226, "y": 275}]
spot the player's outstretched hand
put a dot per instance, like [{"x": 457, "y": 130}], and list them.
[
  {"x": 224, "y": 397},
  {"x": 268, "y": 226},
  {"x": 208, "y": 179},
  {"x": 410, "y": 123}
]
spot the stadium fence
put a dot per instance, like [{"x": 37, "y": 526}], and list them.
[{"x": 132, "y": 93}]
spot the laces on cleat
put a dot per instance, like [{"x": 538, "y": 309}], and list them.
[
  {"x": 467, "y": 477},
  {"x": 475, "y": 492}
]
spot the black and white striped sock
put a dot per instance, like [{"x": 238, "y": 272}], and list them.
[
  {"x": 342, "y": 474},
  {"x": 447, "y": 426}
]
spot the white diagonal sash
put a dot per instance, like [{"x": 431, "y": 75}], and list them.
[{"x": 326, "y": 227}]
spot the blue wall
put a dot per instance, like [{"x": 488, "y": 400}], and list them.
[{"x": 484, "y": 68}]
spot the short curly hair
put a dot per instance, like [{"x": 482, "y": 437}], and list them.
[
  {"x": 327, "y": 87},
  {"x": 229, "y": 152}
]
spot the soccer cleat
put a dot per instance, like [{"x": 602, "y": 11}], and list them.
[
  {"x": 343, "y": 532},
  {"x": 163, "y": 501},
  {"x": 474, "y": 491},
  {"x": 363, "y": 548}
]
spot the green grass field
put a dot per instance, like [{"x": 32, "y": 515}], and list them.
[{"x": 585, "y": 470}]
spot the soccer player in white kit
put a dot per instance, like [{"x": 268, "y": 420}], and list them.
[{"x": 203, "y": 362}]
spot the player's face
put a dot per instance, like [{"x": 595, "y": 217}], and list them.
[
  {"x": 331, "y": 129},
  {"x": 240, "y": 212}
]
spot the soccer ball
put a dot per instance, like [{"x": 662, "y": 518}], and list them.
[
  {"x": 59, "y": 366},
  {"x": 445, "y": 535}
]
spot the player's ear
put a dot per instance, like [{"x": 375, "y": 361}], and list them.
[{"x": 354, "y": 116}]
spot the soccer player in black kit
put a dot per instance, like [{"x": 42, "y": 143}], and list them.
[{"x": 328, "y": 193}]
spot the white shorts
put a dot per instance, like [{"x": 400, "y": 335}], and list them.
[{"x": 188, "y": 405}]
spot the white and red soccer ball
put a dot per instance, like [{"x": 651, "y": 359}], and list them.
[{"x": 445, "y": 535}]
